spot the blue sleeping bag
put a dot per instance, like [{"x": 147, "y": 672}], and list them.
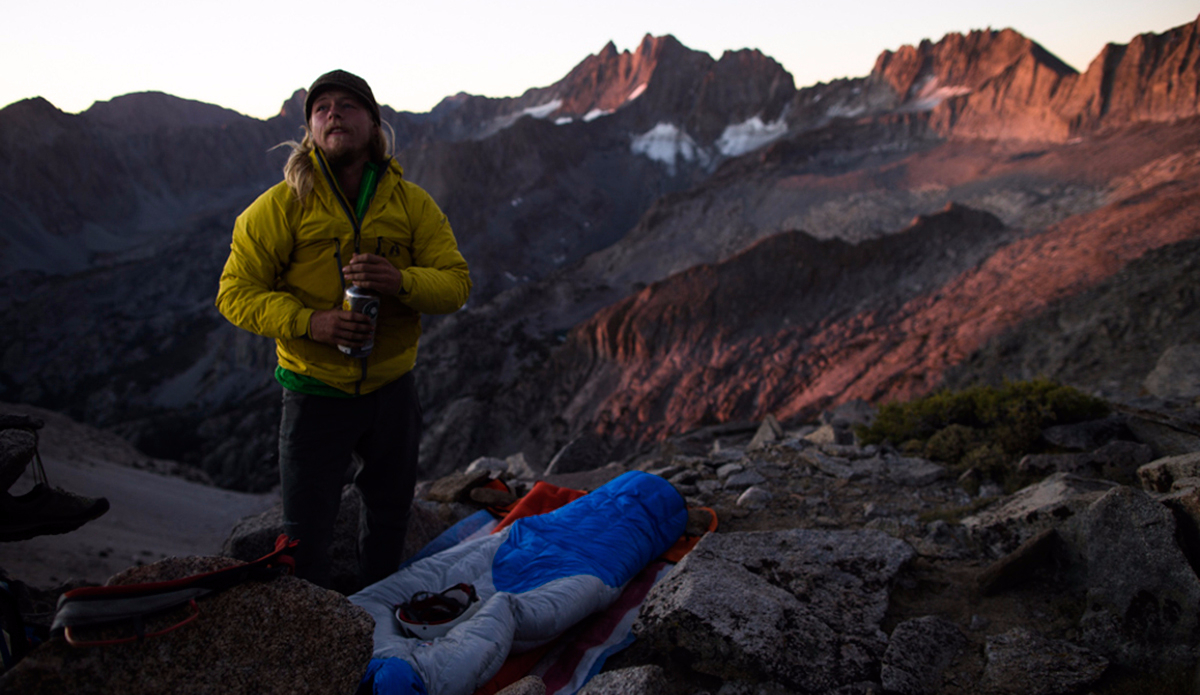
[{"x": 536, "y": 578}]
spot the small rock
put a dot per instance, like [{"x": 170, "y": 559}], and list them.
[
  {"x": 487, "y": 463},
  {"x": 529, "y": 685},
  {"x": 831, "y": 434},
  {"x": 667, "y": 471},
  {"x": 685, "y": 477},
  {"x": 636, "y": 680},
  {"x": 914, "y": 472},
  {"x": 755, "y": 498},
  {"x": 1158, "y": 476},
  {"x": 838, "y": 468},
  {"x": 729, "y": 469},
  {"x": 1021, "y": 662},
  {"x": 728, "y": 454},
  {"x": 457, "y": 487},
  {"x": 768, "y": 432},
  {"x": 745, "y": 479},
  {"x": 520, "y": 468},
  {"x": 490, "y": 497},
  {"x": 919, "y": 650}
]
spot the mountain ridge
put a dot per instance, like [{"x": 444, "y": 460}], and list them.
[{"x": 559, "y": 221}]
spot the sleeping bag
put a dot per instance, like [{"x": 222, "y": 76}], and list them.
[{"x": 535, "y": 578}]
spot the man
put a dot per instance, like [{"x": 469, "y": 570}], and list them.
[{"x": 344, "y": 215}]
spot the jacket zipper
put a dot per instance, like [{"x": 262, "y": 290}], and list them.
[
  {"x": 341, "y": 199},
  {"x": 337, "y": 256}
]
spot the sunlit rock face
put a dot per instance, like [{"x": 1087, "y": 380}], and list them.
[{"x": 999, "y": 84}]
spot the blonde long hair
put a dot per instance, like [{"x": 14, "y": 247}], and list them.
[{"x": 298, "y": 172}]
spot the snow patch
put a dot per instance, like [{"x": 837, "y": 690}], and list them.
[
  {"x": 637, "y": 91},
  {"x": 563, "y": 120},
  {"x": 542, "y": 110},
  {"x": 843, "y": 111},
  {"x": 927, "y": 94},
  {"x": 666, "y": 143},
  {"x": 749, "y": 136},
  {"x": 594, "y": 114}
]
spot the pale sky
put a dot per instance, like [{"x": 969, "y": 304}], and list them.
[{"x": 250, "y": 56}]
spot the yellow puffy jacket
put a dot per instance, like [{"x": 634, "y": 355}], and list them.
[{"x": 286, "y": 262}]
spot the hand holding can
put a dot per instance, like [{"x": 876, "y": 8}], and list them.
[{"x": 366, "y": 303}]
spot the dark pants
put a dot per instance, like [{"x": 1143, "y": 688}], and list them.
[{"x": 316, "y": 438}]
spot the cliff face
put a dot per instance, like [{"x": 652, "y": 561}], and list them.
[
  {"x": 999, "y": 84},
  {"x": 793, "y": 325}
]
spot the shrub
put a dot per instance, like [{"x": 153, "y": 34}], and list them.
[
  {"x": 985, "y": 427},
  {"x": 951, "y": 443}
]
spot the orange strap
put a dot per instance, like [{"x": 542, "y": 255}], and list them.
[
  {"x": 684, "y": 545},
  {"x": 543, "y": 498}
]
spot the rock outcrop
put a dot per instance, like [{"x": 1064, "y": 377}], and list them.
[
  {"x": 281, "y": 636},
  {"x": 801, "y": 608}
]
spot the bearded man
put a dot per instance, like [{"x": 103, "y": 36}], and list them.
[{"x": 344, "y": 215}]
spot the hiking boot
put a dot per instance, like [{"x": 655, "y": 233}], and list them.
[
  {"x": 44, "y": 511},
  {"x": 17, "y": 449}
]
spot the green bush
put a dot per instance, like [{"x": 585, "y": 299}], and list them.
[
  {"x": 952, "y": 442},
  {"x": 983, "y": 426}
]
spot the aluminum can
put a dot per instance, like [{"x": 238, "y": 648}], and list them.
[{"x": 364, "y": 302}]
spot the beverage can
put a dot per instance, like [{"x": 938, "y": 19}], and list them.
[{"x": 364, "y": 302}]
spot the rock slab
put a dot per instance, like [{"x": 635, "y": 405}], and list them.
[
  {"x": 798, "y": 607},
  {"x": 918, "y": 651},
  {"x": 1022, "y": 662}
]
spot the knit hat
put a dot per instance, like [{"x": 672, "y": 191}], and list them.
[{"x": 340, "y": 79}]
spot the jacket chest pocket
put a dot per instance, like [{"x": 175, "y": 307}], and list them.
[
  {"x": 390, "y": 238},
  {"x": 315, "y": 271}
]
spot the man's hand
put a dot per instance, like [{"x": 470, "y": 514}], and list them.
[
  {"x": 372, "y": 272},
  {"x": 338, "y": 327}
]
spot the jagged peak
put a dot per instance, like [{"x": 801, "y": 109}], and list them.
[
  {"x": 960, "y": 61},
  {"x": 294, "y": 106},
  {"x": 606, "y": 80}
]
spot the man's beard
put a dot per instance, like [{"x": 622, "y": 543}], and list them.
[{"x": 341, "y": 156}]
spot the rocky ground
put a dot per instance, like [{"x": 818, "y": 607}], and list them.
[{"x": 842, "y": 568}]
